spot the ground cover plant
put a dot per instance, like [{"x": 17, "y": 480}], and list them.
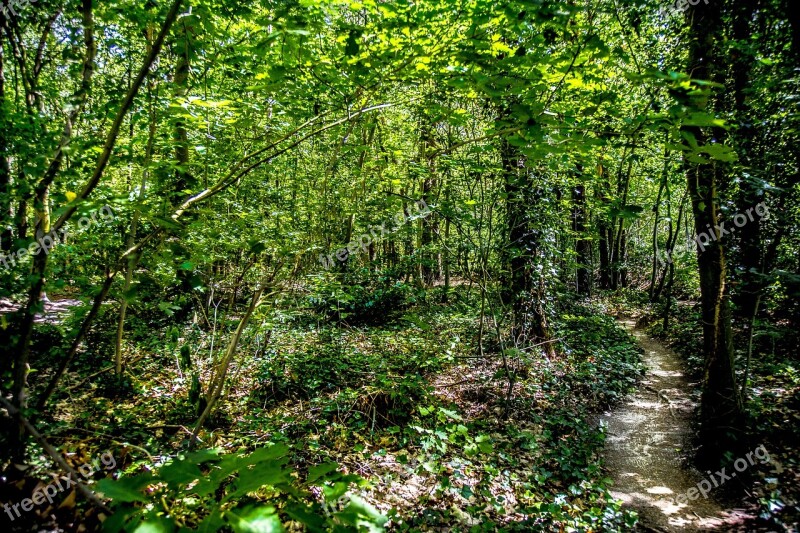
[{"x": 362, "y": 265}]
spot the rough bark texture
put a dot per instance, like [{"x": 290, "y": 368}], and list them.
[
  {"x": 524, "y": 286},
  {"x": 720, "y": 405}
]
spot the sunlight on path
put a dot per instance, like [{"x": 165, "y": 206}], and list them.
[
  {"x": 644, "y": 448},
  {"x": 53, "y": 310}
]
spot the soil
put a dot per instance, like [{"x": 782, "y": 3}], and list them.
[{"x": 648, "y": 439}]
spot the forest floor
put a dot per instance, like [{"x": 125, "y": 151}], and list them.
[
  {"x": 415, "y": 409},
  {"x": 52, "y": 310},
  {"x": 648, "y": 436},
  {"x": 410, "y": 405}
]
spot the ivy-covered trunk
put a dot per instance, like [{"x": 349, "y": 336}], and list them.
[
  {"x": 720, "y": 405},
  {"x": 523, "y": 287}
]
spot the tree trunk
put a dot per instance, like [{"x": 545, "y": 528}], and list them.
[
  {"x": 524, "y": 286},
  {"x": 750, "y": 192},
  {"x": 583, "y": 246},
  {"x": 179, "y": 134},
  {"x": 720, "y": 404},
  {"x": 6, "y": 235},
  {"x": 604, "y": 233}
]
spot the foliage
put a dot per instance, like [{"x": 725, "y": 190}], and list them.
[
  {"x": 560, "y": 147},
  {"x": 208, "y": 491}
]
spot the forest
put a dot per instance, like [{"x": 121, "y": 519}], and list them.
[{"x": 399, "y": 265}]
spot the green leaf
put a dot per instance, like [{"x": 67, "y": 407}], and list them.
[
  {"x": 703, "y": 120},
  {"x": 720, "y": 152},
  {"x": 471, "y": 450},
  {"x": 266, "y": 473},
  {"x": 255, "y": 520},
  {"x": 156, "y": 525},
  {"x": 167, "y": 223},
  {"x": 124, "y": 489},
  {"x": 450, "y": 414},
  {"x": 321, "y": 470},
  {"x": 212, "y": 523},
  {"x": 361, "y": 514},
  {"x": 179, "y": 472}
]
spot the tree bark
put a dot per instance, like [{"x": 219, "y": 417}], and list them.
[
  {"x": 720, "y": 404},
  {"x": 524, "y": 285},
  {"x": 583, "y": 246},
  {"x": 750, "y": 193}
]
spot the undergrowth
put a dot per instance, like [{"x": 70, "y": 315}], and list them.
[{"x": 417, "y": 429}]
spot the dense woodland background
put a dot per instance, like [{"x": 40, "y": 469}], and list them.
[{"x": 354, "y": 265}]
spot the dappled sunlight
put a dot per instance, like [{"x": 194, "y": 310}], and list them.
[{"x": 645, "y": 443}]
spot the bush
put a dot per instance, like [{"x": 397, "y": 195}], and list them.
[{"x": 362, "y": 298}]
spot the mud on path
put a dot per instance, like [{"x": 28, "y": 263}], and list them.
[{"x": 647, "y": 436}]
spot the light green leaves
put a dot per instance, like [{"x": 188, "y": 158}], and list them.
[{"x": 255, "y": 520}]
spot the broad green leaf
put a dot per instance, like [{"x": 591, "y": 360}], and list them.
[{"x": 254, "y": 520}]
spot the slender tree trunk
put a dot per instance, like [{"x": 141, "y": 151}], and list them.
[
  {"x": 180, "y": 134},
  {"x": 656, "y": 219},
  {"x": 447, "y": 252},
  {"x": 133, "y": 260},
  {"x": 220, "y": 372},
  {"x": 618, "y": 252},
  {"x": 583, "y": 246},
  {"x": 750, "y": 191},
  {"x": 429, "y": 261},
  {"x": 6, "y": 235},
  {"x": 21, "y": 218},
  {"x": 604, "y": 233}
]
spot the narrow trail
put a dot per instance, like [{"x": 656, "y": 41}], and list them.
[
  {"x": 647, "y": 436},
  {"x": 53, "y": 310}
]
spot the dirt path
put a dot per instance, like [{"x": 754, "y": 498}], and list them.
[
  {"x": 53, "y": 311},
  {"x": 644, "y": 449}
]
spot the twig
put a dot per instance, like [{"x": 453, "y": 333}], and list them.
[
  {"x": 110, "y": 438},
  {"x": 182, "y": 428},
  {"x": 104, "y": 370},
  {"x": 53, "y": 453}
]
